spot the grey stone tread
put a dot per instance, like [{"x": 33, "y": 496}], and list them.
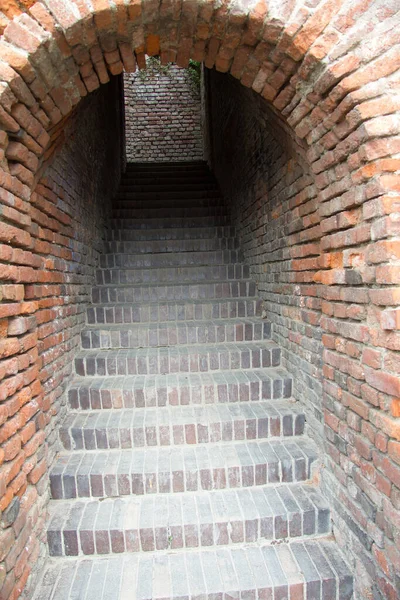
[
  {"x": 194, "y": 273},
  {"x": 193, "y": 519},
  {"x": 181, "y": 179},
  {"x": 198, "y": 261},
  {"x": 187, "y": 199},
  {"x": 194, "y": 301},
  {"x": 177, "y": 233},
  {"x": 170, "y": 166},
  {"x": 127, "y": 197},
  {"x": 180, "y": 358},
  {"x": 217, "y": 288},
  {"x": 202, "y": 183},
  {"x": 223, "y": 321},
  {"x": 156, "y": 260},
  {"x": 169, "y": 222},
  {"x": 184, "y": 302},
  {"x": 182, "y": 190},
  {"x": 177, "y": 425},
  {"x": 177, "y": 212},
  {"x": 172, "y": 333},
  {"x": 176, "y": 284},
  {"x": 171, "y": 245},
  {"x": 180, "y": 274},
  {"x": 219, "y": 215},
  {"x": 245, "y": 572},
  {"x": 172, "y": 469},
  {"x": 173, "y": 310},
  {"x": 154, "y": 170},
  {"x": 179, "y": 388},
  {"x": 239, "y": 323}
]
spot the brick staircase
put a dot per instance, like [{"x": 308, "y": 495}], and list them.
[{"x": 186, "y": 471}]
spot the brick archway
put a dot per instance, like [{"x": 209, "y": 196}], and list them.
[
  {"x": 315, "y": 66},
  {"x": 330, "y": 74}
]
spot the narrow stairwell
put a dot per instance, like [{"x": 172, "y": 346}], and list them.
[{"x": 186, "y": 472}]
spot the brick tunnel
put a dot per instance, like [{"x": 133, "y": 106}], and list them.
[{"x": 301, "y": 127}]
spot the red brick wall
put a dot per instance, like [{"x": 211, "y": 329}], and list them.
[
  {"x": 320, "y": 249},
  {"x": 269, "y": 190},
  {"x": 162, "y": 115},
  {"x": 47, "y": 275},
  {"x": 330, "y": 68}
]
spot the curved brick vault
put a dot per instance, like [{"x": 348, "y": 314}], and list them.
[{"x": 330, "y": 71}]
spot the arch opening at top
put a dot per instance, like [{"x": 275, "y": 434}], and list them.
[
  {"x": 327, "y": 76},
  {"x": 311, "y": 61}
]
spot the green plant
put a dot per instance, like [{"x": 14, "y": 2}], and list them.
[
  {"x": 153, "y": 65},
  {"x": 194, "y": 74}
]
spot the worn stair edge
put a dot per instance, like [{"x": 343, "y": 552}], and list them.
[
  {"x": 166, "y": 275},
  {"x": 175, "y": 193},
  {"x": 309, "y": 569},
  {"x": 179, "y": 521},
  {"x": 179, "y": 233},
  {"x": 171, "y": 245},
  {"x": 179, "y": 389},
  {"x": 159, "y": 292},
  {"x": 188, "y": 310},
  {"x": 170, "y": 223},
  {"x": 195, "y": 273},
  {"x": 172, "y": 333},
  {"x": 141, "y": 427},
  {"x": 128, "y": 190},
  {"x": 181, "y": 468},
  {"x": 159, "y": 260},
  {"x": 178, "y": 359}
]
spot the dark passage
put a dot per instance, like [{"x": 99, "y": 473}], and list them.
[{"x": 182, "y": 433}]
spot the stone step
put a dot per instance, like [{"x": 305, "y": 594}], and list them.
[
  {"x": 174, "y": 311},
  {"x": 180, "y": 192},
  {"x": 165, "y": 207},
  {"x": 177, "y": 274},
  {"x": 121, "y": 391},
  {"x": 171, "y": 245},
  {"x": 191, "y": 520},
  {"x": 188, "y": 174},
  {"x": 181, "y": 185},
  {"x": 169, "y": 212},
  {"x": 152, "y": 166},
  {"x": 207, "y": 290},
  {"x": 178, "y": 179},
  {"x": 196, "y": 171},
  {"x": 178, "y": 233},
  {"x": 170, "y": 222},
  {"x": 170, "y": 167},
  {"x": 129, "y": 200},
  {"x": 179, "y": 425},
  {"x": 313, "y": 569},
  {"x": 174, "y": 333},
  {"x": 178, "y": 359},
  {"x": 169, "y": 259},
  {"x": 164, "y": 470},
  {"x": 158, "y": 170}
]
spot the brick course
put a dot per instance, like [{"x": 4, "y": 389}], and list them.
[
  {"x": 162, "y": 115},
  {"x": 308, "y": 240},
  {"x": 63, "y": 227},
  {"x": 330, "y": 73},
  {"x": 270, "y": 194}
]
